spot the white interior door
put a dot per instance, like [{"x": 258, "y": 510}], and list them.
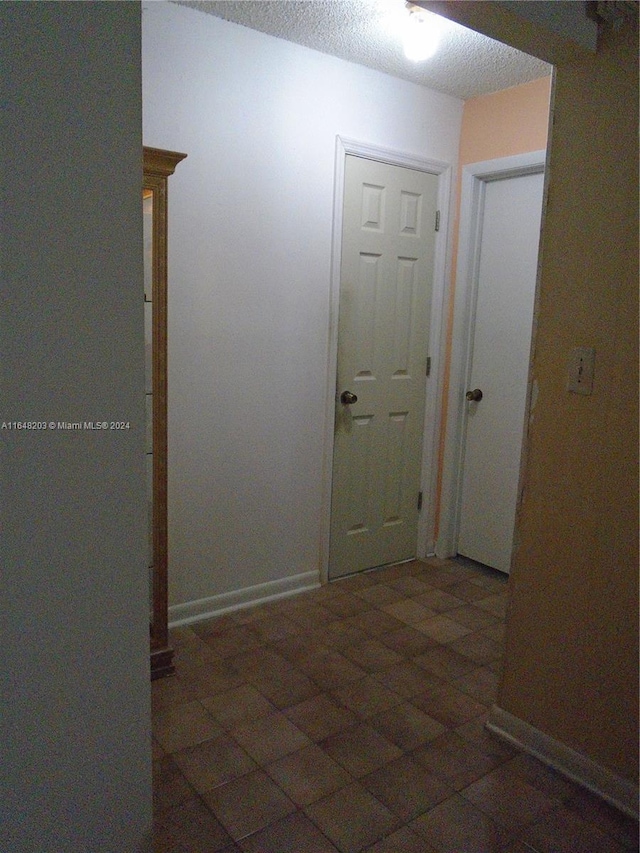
[
  {"x": 388, "y": 245},
  {"x": 499, "y": 365}
]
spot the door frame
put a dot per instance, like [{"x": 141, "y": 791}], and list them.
[
  {"x": 475, "y": 177},
  {"x": 429, "y": 469}
]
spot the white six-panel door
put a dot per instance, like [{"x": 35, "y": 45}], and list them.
[{"x": 388, "y": 244}]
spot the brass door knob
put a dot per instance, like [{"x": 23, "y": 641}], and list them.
[
  {"x": 347, "y": 398},
  {"x": 474, "y": 396}
]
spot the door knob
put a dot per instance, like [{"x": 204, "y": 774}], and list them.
[
  {"x": 474, "y": 396},
  {"x": 347, "y": 398}
]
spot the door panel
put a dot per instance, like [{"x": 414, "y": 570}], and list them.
[
  {"x": 510, "y": 232},
  {"x": 388, "y": 243}
]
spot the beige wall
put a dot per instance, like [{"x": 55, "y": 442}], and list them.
[
  {"x": 571, "y": 665},
  {"x": 513, "y": 121},
  {"x": 572, "y": 654}
]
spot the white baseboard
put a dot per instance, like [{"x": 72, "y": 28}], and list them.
[
  {"x": 613, "y": 788},
  {"x": 216, "y": 605}
]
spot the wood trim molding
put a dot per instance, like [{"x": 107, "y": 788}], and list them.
[
  {"x": 158, "y": 166},
  {"x": 156, "y": 161}
]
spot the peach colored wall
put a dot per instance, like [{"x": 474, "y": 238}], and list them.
[
  {"x": 504, "y": 123},
  {"x": 513, "y": 121}
]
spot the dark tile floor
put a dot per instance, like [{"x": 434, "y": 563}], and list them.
[{"x": 350, "y": 719}]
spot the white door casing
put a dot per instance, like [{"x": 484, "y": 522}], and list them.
[
  {"x": 493, "y": 318},
  {"x": 387, "y": 269}
]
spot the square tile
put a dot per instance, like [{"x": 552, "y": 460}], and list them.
[
  {"x": 406, "y": 788},
  {"x": 409, "y": 611},
  {"x": 487, "y": 742},
  {"x": 439, "y": 600},
  {"x": 272, "y": 629},
  {"x": 406, "y": 679},
  {"x": 311, "y": 616},
  {"x": 402, "y": 841},
  {"x": 407, "y": 641},
  {"x": 308, "y": 775},
  {"x": 406, "y": 726},
  {"x": 360, "y": 749},
  {"x": 167, "y": 693},
  {"x": 297, "y": 648},
  {"x": 185, "y": 725},
  {"x": 372, "y": 655},
  {"x": 494, "y": 604},
  {"x": 444, "y": 662},
  {"x": 285, "y": 688},
  {"x": 238, "y": 705},
  {"x": 372, "y": 668},
  {"x": 478, "y": 647},
  {"x": 509, "y": 799},
  {"x": 481, "y": 684},
  {"x": 262, "y": 661},
  {"x": 248, "y": 804},
  {"x": 190, "y": 828},
  {"x": 352, "y": 818},
  {"x": 193, "y": 652},
  {"x": 543, "y": 777},
  {"x": 380, "y": 595},
  {"x": 456, "y": 826},
  {"x": 448, "y": 705},
  {"x": 213, "y": 762},
  {"x": 456, "y": 761},
  {"x": 468, "y": 591},
  {"x": 410, "y": 586},
  {"x": 376, "y": 622},
  {"x": 170, "y": 786},
  {"x": 386, "y": 574},
  {"x": 269, "y": 737},
  {"x": 293, "y": 834},
  {"x": 229, "y": 641},
  {"x": 346, "y": 604},
  {"x": 320, "y": 716},
  {"x": 475, "y": 618},
  {"x": 338, "y": 635},
  {"x": 204, "y": 680},
  {"x": 366, "y": 696},
  {"x": 491, "y": 579},
  {"x": 332, "y": 669},
  {"x": 442, "y": 629}
]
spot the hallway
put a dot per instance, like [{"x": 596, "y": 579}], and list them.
[{"x": 351, "y": 718}]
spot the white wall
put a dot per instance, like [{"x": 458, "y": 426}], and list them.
[
  {"x": 76, "y": 754},
  {"x": 250, "y": 257}
]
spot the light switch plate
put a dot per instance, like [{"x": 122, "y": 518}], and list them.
[{"x": 581, "y": 365}]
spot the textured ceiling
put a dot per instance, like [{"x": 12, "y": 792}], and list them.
[{"x": 466, "y": 64}]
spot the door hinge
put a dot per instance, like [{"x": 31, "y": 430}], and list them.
[
  {"x": 419, "y": 501},
  {"x": 437, "y": 220},
  {"x": 428, "y": 365}
]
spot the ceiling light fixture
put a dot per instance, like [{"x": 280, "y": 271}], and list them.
[{"x": 421, "y": 33}]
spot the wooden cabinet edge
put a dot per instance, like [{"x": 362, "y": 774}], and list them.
[{"x": 158, "y": 165}]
